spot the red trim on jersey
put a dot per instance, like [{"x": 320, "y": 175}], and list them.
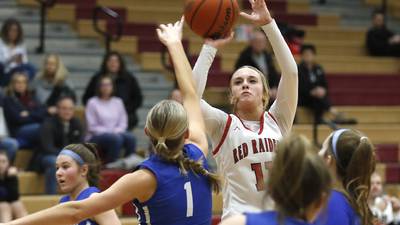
[
  {"x": 261, "y": 124},
  {"x": 226, "y": 129},
  {"x": 272, "y": 116}
]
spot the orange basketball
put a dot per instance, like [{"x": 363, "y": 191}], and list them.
[{"x": 211, "y": 18}]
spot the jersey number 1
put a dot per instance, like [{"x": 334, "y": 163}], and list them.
[
  {"x": 258, "y": 171},
  {"x": 189, "y": 199}
]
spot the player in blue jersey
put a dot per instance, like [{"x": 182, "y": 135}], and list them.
[
  {"x": 351, "y": 159},
  {"x": 299, "y": 183},
  {"x": 77, "y": 173},
  {"x": 173, "y": 187}
]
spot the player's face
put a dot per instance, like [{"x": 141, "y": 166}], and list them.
[
  {"x": 247, "y": 88},
  {"x": 68, "y": 174},
  {"x": 376, "y": 186},
  {"x": 3, "y": 163}
]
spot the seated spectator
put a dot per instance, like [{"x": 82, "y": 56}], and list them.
[
  {"x": 107, "y": 122},
  {"x": 294, "y": 36},
  {"x": 10, "y": 205},
  {"x": 176, "y": 95},
  {"x": 380, "y": 40},
  {"x": 256, "y": 55},
  {"x": 13, "y": 53},
  {"x": 23, "y": 112},
  {"x": 10, "y": 145},
  {"x": 126, "y": 85},
  {"x": 51, "y": 83},
  {"x": 384, "y": 207},
  {"x": 313, "y": 89},
  {"x": 56, "y": 132}
]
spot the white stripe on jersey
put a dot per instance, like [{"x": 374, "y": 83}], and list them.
[{"x": 147, "y": 215}]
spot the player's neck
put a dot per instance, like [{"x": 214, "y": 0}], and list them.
[
  {"x": 75, "y": 193},
  {"x": 251, "y": 115}
]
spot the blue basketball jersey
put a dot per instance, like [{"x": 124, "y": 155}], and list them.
[
  {"x": 338, "y": 211},
  {"x": 271, "y": 218},
  {"x": 179, "y": 199},
  {"x": 83, "y": 195}
]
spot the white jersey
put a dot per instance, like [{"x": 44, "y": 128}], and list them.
[{"x": 243, "y": 157}]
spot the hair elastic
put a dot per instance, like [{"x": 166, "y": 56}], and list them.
[
  {"x": 161, "y": 140},
  {"x": 73, "y": 155},
  {"x": 335, "y": 139}
]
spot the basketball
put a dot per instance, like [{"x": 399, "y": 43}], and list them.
[{"x": 211, "y": 18}]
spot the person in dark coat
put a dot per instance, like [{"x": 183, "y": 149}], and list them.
[
  {"x": 126, "y": 85},
  {"x": 313, "y": 89},
  {"x": 56, "y": 132},
  {"x": 380, "y": 40},
  {"x": 256, "y": 55},
  {"x": 23, "y": 111}
]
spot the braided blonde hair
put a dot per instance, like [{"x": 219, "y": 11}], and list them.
[{"x": 167, "y": 124}]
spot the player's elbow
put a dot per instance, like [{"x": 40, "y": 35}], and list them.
[
  {"x": 292, "y": 71},
  {"x": 75, "y": 213}
]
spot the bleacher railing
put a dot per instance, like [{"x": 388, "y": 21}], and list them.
[
  {"x": 44, "y": 4},
  {"x": 108, "y": 36}
]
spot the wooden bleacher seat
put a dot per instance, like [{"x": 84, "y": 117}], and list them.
[
  {"x": 23, "y": 158},
  {"x": 30, "y": 183}
]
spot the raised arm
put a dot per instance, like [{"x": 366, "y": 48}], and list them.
[
  {"x": 284, "y": 107},
  {"x": 138, "y": 185},
  {"x": 171, "y": 35}
]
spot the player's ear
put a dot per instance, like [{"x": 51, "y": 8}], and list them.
[
  {"x": 186, "y": 134},
  {"x": 84, "y": 170},
  {"x": 146, "y": 131}
]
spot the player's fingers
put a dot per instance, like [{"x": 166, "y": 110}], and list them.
[
  {"x": 159, "y": 33},
  {"x": 163, "y": 27},
  {"x": 246, "y": 15}
]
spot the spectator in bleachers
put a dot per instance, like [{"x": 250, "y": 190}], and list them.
[
  {"x": 380, "y": 40},
  {"x": 313, "y": 89},
  {"x": 10, "y": 145},
  {"x": 56, "y": 132},
  {"x": 107, "y": 122},
  {"x": 23, "y": 111},
  {"x": 13, "y": 53},
  {"x": 126, "y": 85},
  {"x": 384, "y": 207},
  {"x": 256, "y": 55},
  {"x": 10, "y": 205},
  {"x": 51, "y": 83},
  {"x": 176, "y": 95}
]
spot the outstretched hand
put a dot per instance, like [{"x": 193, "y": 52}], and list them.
[
  {"x": 170, "y": 33},
  {"x": 218, "y": 43},
  {"x": 260, "y": 15}
]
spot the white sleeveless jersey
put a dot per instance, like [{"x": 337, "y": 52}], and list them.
[{"x": 243, "y": 158}]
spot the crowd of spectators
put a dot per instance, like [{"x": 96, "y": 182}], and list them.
[{"x": 38, "y": 105}]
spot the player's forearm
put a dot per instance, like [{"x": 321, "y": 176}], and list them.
[
  {"x": 282, "y": 52},
  {"x": 183, "y": 71},
  {"x": 64, "y": 214},
  {"x": 202, "y": 67},
  {"x": 284, "y": 108}
]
